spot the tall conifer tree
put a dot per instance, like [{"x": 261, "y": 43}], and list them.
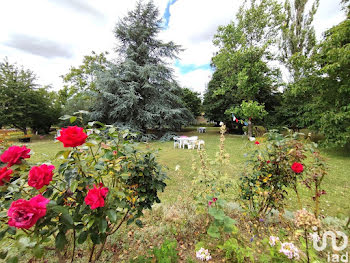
[{"x": 139, "y": 91}]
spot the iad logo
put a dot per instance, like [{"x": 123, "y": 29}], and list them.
[{"x": 335, "y": 247}]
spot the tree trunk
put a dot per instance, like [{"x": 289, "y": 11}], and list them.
[
  {"x": 250, "y": 129},
  {"x": 25, "y": 131}
]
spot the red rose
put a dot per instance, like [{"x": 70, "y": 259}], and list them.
[
  {"x": 297, "y": 167},
  {"x": 268, "y": 161},
  {"x": 5, "y": 175},
  {"x": 14, "y": 155},
  {"x": 72, "y": 136},
  {"x": 257, "y": 143},
  {"x": 40, "y": 176},
  {"x": 24, "y": 214},
  {"x": 96, "y": 197}
]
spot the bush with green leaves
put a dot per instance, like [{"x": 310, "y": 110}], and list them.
[
  {"x": 274, "y": 168},
  {"x": 103, "y": 181}
]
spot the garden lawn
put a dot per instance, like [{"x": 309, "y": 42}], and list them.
[{"x": 334, "y": 203}]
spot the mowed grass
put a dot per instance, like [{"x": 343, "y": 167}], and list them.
[{"x": 335, "y": 203}]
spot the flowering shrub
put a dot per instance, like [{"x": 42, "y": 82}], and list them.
[
  {"x": 101, "y": 182},
  {"x": 274, "y": 168}
]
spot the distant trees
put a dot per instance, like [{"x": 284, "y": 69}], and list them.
[
  {"x": 22, "y": 103},
  {"x": 139, "y": 90},
  {"x": 192, "y": 101},
  {"x": 80, "y": 82}
]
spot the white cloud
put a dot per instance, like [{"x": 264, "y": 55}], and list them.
[
  {"x": 196, "y": 80},
  {"x": 85, "y": 25}
]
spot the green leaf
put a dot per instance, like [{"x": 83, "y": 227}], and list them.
[
  {"x": 67, "y": 219},
  {"x": 95, "y": 238},
  {"x": 229, "y": 222},
  {"x": 102, "y": 226},
  {"x": 82, "y": 237},
  {"x": 60, "y": 209},
  {"x": 11, "y": 230},
  {"x": 12, "y": 260},
  {"x": 112, "y": 215},
  {"x": 61, "y": 240},
  {"x": 74, "y": 186},
  {"x": 73, "y": 119},
  {"x": 217, "y": 213},
  {"x": 138, "y": 222},
  {"x": 213, "y": 231}
]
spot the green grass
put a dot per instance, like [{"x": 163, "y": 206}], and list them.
[{"x": 334, "y": 203}]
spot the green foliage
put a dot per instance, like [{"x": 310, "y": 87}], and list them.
[
  {"x": 298, "y": 35},
  {"x": 331, "y": 105},
  {"x": 139, "y": 91},
  {"x": 192, "y": 101},
  {"x": 80, "y": 82},
  {"x": 236, "y": 251},
  {"x": 109, "y": 157},
  {"x": 23, "y": 105},
  {"x": 250, "y": 109},
  {"x": 241, "y": 65},
  {"x": 266, "y": 182},
  {"x": 167, "y": 253}
]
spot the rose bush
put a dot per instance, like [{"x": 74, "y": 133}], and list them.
[
  {"x": 101, "y": 182},
  {"x": 273, "y": 169}
]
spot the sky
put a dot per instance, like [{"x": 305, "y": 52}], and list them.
[{"x": 50, "y": 36}]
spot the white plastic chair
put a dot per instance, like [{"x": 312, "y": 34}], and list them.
[
  {"x": 199, "y": 144},
  {"x": 177, "y": 142}
]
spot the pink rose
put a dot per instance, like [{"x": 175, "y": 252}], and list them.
[
  {"x": 210, "y": 203},
  {"x": 297, "y": 167},
  {"x": 5, "y": 175},
  {"x": 14, "y": 155},
  {"x": 40, "y": 176},
  {"x": 72, "y": 136},
  {"x": 215, "y": 199},
  {"x": 24, "y": 214},
  {"x": 96, "y": 197}
]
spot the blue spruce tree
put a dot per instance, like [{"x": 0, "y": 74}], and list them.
[{"x": 139, "y": 91}]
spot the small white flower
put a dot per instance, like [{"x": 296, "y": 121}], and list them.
[
  {"x": 203, "y": 254},
  {"x": 273, "y": 240},
  {"x": 177, "y": 167}
]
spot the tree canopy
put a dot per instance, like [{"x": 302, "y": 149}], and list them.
[
  {"x": 242, "y": 69},
  {"x": 23, "y": 103},
  {"x": 139, "y": 90}
]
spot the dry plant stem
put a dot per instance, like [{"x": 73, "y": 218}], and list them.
[{"x": 307, "y": 246}]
